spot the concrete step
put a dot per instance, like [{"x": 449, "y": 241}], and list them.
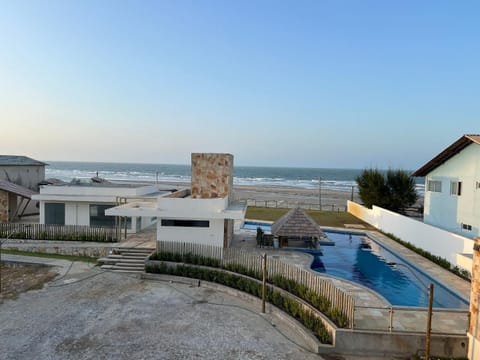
[
  {"x": 129, "y": 265},
  {"x": 129, "y": 261},
  {"x": 136, "y": 250},
  {"x": 116, "y": 267},
  {"x": 135, "y": 255},
  {"x": 106, "y": 267},
  {"x": 107, "y": 261},
  {"x": 129, "y": 271}
]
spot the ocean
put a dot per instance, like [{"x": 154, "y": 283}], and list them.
[{"x": 306, "y": 178}]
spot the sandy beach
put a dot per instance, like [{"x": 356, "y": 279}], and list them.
[{"x": 285, "y": 196}]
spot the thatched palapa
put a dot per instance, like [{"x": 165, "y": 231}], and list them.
[{"x": 297, "y": 224}]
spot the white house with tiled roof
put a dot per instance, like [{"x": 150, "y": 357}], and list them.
[{"x": 452, "y": 187}]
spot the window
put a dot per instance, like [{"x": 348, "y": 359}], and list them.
[
  {"x": 467, "y": 227},
  {"x": 456, "y": 188},
  {"x": 477, "y": 186},
  {"x": 54, "y": 214},
  {"x": 434, "y": 185},
  {"x": 98, "y": 217},
  {"x": 186, "y": 223}
]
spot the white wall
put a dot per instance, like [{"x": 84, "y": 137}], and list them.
[
  {"x": 430, "y": 238},
  {"x": 212, "y": 235},
  {"x": 77, "y": 214},
  {"x": 448, "y": 211}
]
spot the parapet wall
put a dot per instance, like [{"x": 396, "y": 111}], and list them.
[
  {"x": 212, "y": 175},
  {"x": 435, "y": 240}
]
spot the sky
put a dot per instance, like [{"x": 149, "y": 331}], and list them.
[{"x": 342, "y": 84}]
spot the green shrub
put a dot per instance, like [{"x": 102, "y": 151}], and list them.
[
  {"x": 464, "y": 274},
  {"x": 318, "y": 301}
]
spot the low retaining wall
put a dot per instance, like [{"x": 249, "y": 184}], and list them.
[
  {"x": 329, "y": 325},
  {"x": 293, "y": 325},
  {"x": 95, "y": 250},
  {"x": 397, "y": 344}
]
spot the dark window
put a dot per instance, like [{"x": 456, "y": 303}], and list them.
[
  {"x": 54, "y": 214},
  {"x": 98, "y": 217},
  {"x": 456, "y": 188},
  {"x": 185, "y": 223},
  {"x": 467, "y": 227}
]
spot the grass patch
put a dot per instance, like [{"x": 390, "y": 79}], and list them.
[
  {"x": 51, "y": 256},
  {"x": 323, "y": 218}
]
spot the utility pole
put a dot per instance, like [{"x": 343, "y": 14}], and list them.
[
  {"x": 320, "y": 193},
  {"x": 351, "y": 199}
]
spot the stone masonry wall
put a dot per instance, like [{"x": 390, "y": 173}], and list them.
[
  {"x": 3, "y": 206},
  {"x": 212, "y": 175}
]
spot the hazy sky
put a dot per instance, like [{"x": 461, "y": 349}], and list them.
[{"x": 295, "y": 83}]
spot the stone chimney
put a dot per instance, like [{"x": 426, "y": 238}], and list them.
[{"x": 212, "y": 175}]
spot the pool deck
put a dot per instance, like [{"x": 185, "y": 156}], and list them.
[{"x": 372, "y": 311}]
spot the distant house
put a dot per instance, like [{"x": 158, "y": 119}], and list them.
[
  {"x": 84, "y": 202},
  {"x": 203, "y": 214},
  {"x": 19, "y": 180},
  {"x": 452, "y": 187}
]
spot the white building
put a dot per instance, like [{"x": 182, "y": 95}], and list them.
[
  {"x": 202, "y": 215},
  {"x": 452, "y": 187},
  {"x": 85, "y": 203}
]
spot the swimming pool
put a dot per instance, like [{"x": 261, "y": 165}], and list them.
[
  {"x": 357, "y": 258},
  {"x": 253, "y": 225},
  {"x": 362, "y": 260}
]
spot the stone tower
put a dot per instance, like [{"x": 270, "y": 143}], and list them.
[{"x": 212, "y": 175}]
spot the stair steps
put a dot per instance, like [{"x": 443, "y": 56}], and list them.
[{"x": 131, "y": 260}]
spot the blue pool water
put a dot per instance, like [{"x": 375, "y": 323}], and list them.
[
  {"x": 360, "y": 259},
  {"x": 364, "y": 261},
  {"x": 253, "y": 225}
]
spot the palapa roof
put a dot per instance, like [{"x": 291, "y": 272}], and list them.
[
  {"x": 296, "y": 223},
  {"x": 448, "y": 153},
  {"x": 16, "y": 189}
]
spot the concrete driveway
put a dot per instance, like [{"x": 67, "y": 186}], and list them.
[{"x": 104, "y": 315}]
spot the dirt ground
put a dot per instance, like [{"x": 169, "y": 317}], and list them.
[
  {"x": 18, "y": 278},
  {"x": 104, "y": 315}
]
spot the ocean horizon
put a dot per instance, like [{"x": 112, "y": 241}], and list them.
[{"x": 300, "y": 177}]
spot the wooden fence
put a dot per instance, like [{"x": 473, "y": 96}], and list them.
[
  {"x": 253, "y": 262},
  {"x": 56, "y": 232}
]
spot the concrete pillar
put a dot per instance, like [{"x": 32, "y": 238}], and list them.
[
  {"x": 473, "y": 329},
  {"x": 4, "y": 216}
]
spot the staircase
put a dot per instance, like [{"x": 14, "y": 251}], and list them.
[{"x": 131, "y": 260}]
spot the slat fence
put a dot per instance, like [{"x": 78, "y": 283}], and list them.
[
  {"x": 56, "y": 232},
  {"x": 253, "y": 262}
]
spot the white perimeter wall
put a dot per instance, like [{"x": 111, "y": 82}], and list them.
[
  {"x": 430, "y": 238},
  {"x": 212, "y": 235}
]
